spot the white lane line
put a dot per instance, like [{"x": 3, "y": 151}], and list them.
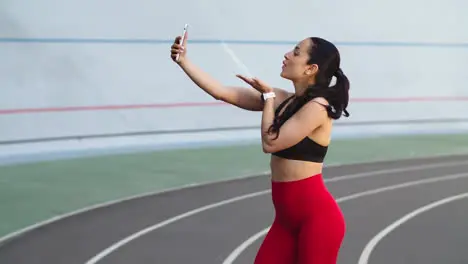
[
  {"x": 117, "y": 201},
  {"x": 364, "y": 258},
  {"x": 238, "y": 251},
  {"x": 149, "y": 229},
  {"x": 147, "y": 194},
  {"x": 396, "y": 170}
]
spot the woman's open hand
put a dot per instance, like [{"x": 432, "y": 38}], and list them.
[{"x": 256, "y": 83}]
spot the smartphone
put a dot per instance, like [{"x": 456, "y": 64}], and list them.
[{"x": 182, "y": 39}]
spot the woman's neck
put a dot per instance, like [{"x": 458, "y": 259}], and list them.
[{"x": 301, "y": 87}]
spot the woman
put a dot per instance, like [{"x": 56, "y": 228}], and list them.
[{"x": 309, "y": 226}]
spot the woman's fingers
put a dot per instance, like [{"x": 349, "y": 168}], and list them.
[
  {"x": 177, "y": 49},
  {"x": 245, "y": 79}
]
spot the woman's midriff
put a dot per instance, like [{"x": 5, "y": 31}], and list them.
[{"x": 292, "y": 170}]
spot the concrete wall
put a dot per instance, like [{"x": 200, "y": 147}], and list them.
[{"x": 73, "y": 69}]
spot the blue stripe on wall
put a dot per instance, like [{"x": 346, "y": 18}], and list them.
[{"x": 218, "y": 41}]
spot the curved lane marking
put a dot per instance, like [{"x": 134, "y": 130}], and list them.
[
  {"x": 364, "y": 258},
  {"x": 238, "y": 251},
  {"x": 149, "y": 229}
]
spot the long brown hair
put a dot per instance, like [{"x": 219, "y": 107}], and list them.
[{"x": 327, "y": 57}]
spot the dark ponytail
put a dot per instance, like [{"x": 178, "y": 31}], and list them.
[
  {"x": 339, "y": 96},
  {"x": 327, "y": 57}
]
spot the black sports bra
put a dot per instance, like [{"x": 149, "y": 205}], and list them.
[{"x": 306, "y": 149}]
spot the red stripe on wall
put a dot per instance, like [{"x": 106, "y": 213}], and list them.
[
  {"x": 206, "y": 104},
  {"x": 104, "y": 107}
]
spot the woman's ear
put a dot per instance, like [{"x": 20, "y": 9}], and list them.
[{"x": 312, "y": 70}]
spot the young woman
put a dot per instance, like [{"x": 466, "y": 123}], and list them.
[{"x": 309, "y": 226}]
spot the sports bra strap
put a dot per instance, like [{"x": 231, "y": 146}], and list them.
[
  {"x": 328, "y": 107},
  {"x": 281, "y": 106}
]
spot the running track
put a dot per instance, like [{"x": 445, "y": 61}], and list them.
[{"x": 395, "y": 211}]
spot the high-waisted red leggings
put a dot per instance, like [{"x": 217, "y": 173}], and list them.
[{"x": 308, "y": 228}]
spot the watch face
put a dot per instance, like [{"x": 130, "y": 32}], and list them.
[{"x": 269, "y": 95}]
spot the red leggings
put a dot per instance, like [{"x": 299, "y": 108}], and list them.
[{"x": 309, "y": 226}]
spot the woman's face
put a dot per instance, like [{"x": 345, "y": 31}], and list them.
[{"x": 295, "y": 67}]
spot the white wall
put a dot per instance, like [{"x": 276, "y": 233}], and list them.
[{"x": 60, "y": 60}]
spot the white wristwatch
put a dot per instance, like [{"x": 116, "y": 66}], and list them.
[{"x": 269, "y": 95}]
